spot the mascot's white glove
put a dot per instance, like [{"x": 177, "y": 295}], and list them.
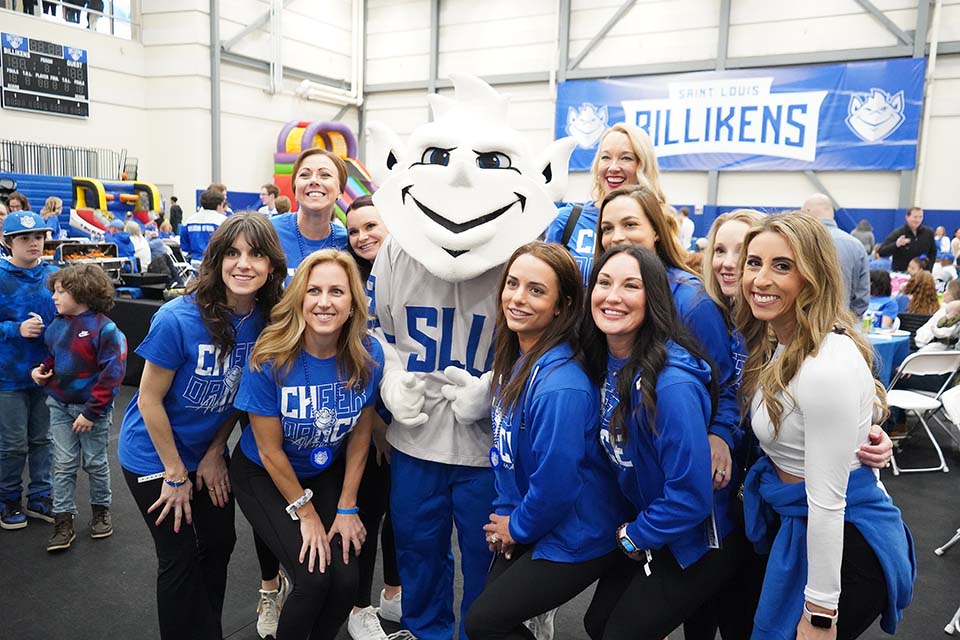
[
  {"x": 469, "y": 396},
  {"x": 402, "y": 393}
]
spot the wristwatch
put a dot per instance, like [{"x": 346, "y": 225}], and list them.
[
  {"x": 819, "y": 620},
  {"x": 299, "y": 502},
  {"x": 626, "y": 544}
]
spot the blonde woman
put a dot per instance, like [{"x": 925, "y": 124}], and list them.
[
  {"x": 625, "y": 157},
  {"x": 310, "y": 388},
  {"x": 808, "y": 386},
  {"x": 51, "y": 215}
]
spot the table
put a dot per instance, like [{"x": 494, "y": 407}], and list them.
[
  {"x": 133, "y": 318},
  {"x": 890, "y": 351}
]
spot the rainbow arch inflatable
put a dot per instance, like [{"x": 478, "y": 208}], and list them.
[{"x": 298, "y": 135}]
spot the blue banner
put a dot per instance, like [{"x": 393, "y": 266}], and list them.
[{"x": 858, "y": 116}]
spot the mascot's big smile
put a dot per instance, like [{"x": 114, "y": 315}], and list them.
[{"x": 460, "y": 227}]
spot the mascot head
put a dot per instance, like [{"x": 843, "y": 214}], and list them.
[{"x": 465, "y": 191}]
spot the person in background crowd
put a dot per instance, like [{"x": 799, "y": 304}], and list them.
[
  {"x": 366, "y": 233},
  {"x": 955, "y": 242},
  {"x": 26, "y": 308},
  {"x": 922, "y": 293},
  {"x": 319, "y": 177},
  {"x": 296, "y": 471},
  {"x": 943, "y": 242},
  {"x": 93, "y": 18},
  {"x": 686, "y": 228},
  {"x": 16, "y": 201},
  {"x": 3, "y": 214},
  {"x": 176, "y": 216},
  {"x": 157, "y": 248},
  {"x": 624, "y": 157},
  {"x": 854, "y": 263},
  {"x": 283, "y": 204},
  {"x": 658, "y": 395},
  {"x": 556, "y": 498},
  {"x": 840, "y": 554},
  {"x": 916, "y": 265},
  {"x": 222, "y": 188},
  {"x": 72, "y": 15},
  {"x": 909, "y": 241},
  {"x": 268, "y": 197},
  {"x": 941, "y": 331},
  {"x": 172, "y": 444},
  {"x": 883, "y": 307},
  {"x": 141, "y": 246},
  {"x": 944, "y": 270},
  {"x": 51, "y": 215},
  {"x": 125, "y": 248},
  {"x": 864, "y": 233},
  {"x": 166, "y": 230},
  {"x": 201, "y": 226},
  {"x": 81, "y": 376}
]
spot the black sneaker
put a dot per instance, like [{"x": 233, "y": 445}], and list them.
[
  {"x": 40, "y": 507},
  {"x": 101, "y": 525},
  {"x": 63, "y": 534}
]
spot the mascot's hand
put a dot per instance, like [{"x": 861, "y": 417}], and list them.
[
  {"x": 402, "y": 394},
  {"x": 469, "y": 396}
]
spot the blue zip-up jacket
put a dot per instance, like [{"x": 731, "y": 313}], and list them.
[
  {"x": 22, "y": 291},
  {"x": 703, "y": 318},
  {"x": 583, "y": 238},
  {"x": 550, "y": 473},
  {"x": 89, "y": 360},
  {"x": 666, "y": 476},
  {"x": 868, "y": 508}
]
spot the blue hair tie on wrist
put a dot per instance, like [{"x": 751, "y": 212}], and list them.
[{"x": 352, "y": 511}]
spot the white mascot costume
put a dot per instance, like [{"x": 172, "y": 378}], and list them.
[{"x": 458, "y": 198}]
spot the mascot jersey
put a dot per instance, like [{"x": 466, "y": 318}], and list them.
[{"x": 434, "y": 324}]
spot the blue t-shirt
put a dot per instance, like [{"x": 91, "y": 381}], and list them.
[
  {"x": 582, "y": 240},
  {"x": 316, "y": 408},
  {"x": 296, "y": 246},
  {"x": 203, "y": 390},
  {"x": 881, "y": 306}
]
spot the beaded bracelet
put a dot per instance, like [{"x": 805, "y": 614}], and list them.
[
  {"x": 352, "y": 511},
  {"x": 175, "y": 483}
]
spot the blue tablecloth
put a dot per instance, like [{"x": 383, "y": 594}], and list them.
[{"x": 890, "y": 352}]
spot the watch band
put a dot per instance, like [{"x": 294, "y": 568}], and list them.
[
  {"x": 299, "y": 502},
  {"x": 820, "y": 620}
]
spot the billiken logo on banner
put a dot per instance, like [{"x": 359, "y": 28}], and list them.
[{"x": 736, "y": 115}]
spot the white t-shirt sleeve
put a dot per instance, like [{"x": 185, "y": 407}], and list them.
[{"x": 831, "y": 416}]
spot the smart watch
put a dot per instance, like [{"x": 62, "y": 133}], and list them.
[
  {"x": 819, "y": 620},
  {"x": 626, "y": 544}
]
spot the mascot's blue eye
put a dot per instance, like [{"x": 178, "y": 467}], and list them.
[
  {"x": 493, "y": 160},
  {"x": 436, "y": 155}
]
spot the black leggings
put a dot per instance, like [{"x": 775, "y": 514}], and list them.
[
  {"x": 373, "y": 499},
  {"x": 320, "y": 602},
  {"x": 192, "y": 564},
  {"x": 863, "y": 587},
  {"x": 630, "y": 604},
  {"x": 522, "y": 588}
]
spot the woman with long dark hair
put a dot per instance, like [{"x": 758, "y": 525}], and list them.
[
  {"x": 658, "y": 396},
  {"x": 840, "y": 555},
  {"x": 310, "y": 387},
  {"x": 557, "y": 501},
  {"x": 173, "y": 438}
]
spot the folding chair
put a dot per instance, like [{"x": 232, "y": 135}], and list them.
[
  {"x": 924, "y": 403},
  {"x": 954, "y": 624},
  {"x": 911, "y": 322}
]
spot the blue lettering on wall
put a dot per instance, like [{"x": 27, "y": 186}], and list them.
[
  {"x": 686, "y": 126},
  {"x": 745, "y": 122},
  {"x": 800, "y": 127},
  {"x": 724, "y": 122},
  {"x": 771, "y": 122}
]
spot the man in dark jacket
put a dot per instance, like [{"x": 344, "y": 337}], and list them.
[
  {"x": 909, "y": 241},
  {"x": 176, "y": 215}
]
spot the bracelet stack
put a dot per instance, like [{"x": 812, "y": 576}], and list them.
[{"x": 175, "y": 483}]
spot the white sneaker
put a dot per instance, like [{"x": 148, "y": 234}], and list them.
[
  {"x": 390, "y": 608},
  {"x": 269, "y": 607},
  {"x": 403, "y": 634},
  {"x": 365, "y": 625},
  {"x": 542, "y": 626}
]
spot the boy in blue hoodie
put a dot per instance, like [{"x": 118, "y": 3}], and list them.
[
  {"x": 26, "y": 307},
  {"x": 82, "y": 376}
]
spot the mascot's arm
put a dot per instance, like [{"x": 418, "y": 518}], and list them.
[
  {"x": 469, "y": 396},
  {"x": 400, "y": 390}
]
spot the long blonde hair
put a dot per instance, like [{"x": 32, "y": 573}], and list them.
[
  {"x": 648, "y": 171},
  {"x": 50, "y": 207},
  {"x": 820, "y": 308},
  {"x": 749, "y": 217},
  {"x": 282, "y": 341}
]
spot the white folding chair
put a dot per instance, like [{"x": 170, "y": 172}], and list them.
[
  {"x": 924, "y": 403},
  {"x": 954, "y": 624}
]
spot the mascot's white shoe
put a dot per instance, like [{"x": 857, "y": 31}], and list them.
[{"x": 542, "y": 626}]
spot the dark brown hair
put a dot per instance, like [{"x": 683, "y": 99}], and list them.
[
  {"x": 506, "y": 347},
  {"x": 87, "y": 283}
]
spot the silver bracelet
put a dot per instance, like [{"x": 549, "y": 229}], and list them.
[{"x": 299, "y": 502}]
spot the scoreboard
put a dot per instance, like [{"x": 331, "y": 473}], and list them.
[{"x": 43, "y": 76}]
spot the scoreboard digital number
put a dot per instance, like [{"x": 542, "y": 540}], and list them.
[{"x": 43, "y": 76}]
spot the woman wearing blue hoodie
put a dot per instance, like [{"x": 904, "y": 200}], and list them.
[
  {"x": 839, "y": 553},
  {"x": 657, "y": 401},
  {"x": 557, "y": 503}
]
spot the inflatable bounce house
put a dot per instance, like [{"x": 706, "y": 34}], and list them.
[
  {"x": 297, "y": 136},
  {"x": 89, "y": 205}
]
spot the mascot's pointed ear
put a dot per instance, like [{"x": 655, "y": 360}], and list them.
[
  {"x": 385, "y": 151},
  {"x": 553, "y": 165}
]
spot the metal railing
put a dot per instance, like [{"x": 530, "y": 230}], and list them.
[
  {"x": 114, "y": 16},
  {"x": 57, "y": 160}
]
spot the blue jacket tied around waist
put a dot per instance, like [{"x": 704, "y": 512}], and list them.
[{"x": 869, "y": 508}]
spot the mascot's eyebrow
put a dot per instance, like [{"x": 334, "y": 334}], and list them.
[{"x": 463, "y": 226}]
